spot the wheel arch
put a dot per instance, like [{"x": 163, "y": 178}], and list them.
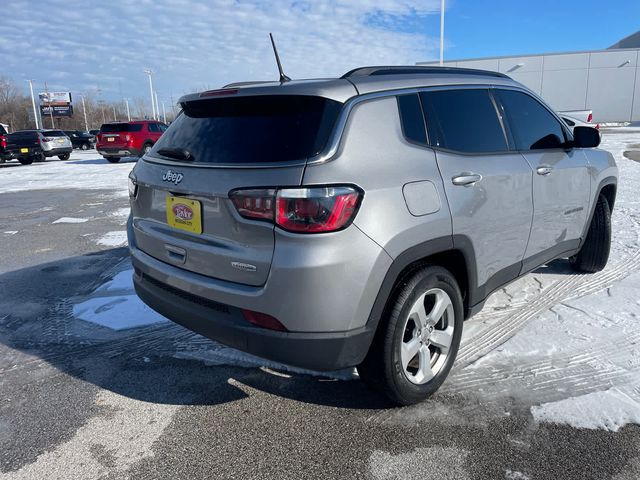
[
  {"x": 607, "y": 187},
  {"x": 451, "y": 252}
]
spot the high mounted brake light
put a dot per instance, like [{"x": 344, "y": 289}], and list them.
[
  {"x": 300, "y": 210},
  {"x": 219, "y": 93}
]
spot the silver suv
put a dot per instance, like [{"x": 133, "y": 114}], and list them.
[{"x": 358, "y": 221}]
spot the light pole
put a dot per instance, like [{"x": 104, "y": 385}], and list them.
[
  {"x": 46, "y": 90},
  {"x": 33, "y": 103},
  {"x": 84, "y": 111},
  {"x": 157, "y": 117},
  {"x": 441, "y": 32},
  {"x": 164, "y": 113},
  {"x": 126, "y": 102},
  {"x": 149, "y": 72},
  {"x": 115, "y": 119}
]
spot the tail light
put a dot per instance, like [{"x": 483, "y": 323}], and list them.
[
  {"x": 597, "y": 127},
  {"x": 3, "y": 142},
  {"x": 301, "y": 210},
  {"x": 589, "y": 117},
  {"x": 127, "y": 138}
]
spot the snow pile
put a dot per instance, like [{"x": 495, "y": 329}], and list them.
[
  {"x": 609, "y": 410},
  {"x": 117, "y": 313},
  {"x": 114, "y": 239},
  {"x": 71, "y": 220}
]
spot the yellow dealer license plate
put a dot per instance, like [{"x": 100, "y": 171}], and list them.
[
  {"x": 184, "y": 214},
  {"x": 24, "y": 150}
]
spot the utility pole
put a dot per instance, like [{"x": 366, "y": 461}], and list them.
[
  {"x": 84, "y": 111},
  {"x": 441, "y": 32},
  {"x": 46, "y": 90},
  {"x": 33, "y": 103},
  {"x": 149, "y": 72},
  {"x": 126, "y": 102}
]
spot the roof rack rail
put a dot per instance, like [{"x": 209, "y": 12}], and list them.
[{"x": 419, "y": 70}]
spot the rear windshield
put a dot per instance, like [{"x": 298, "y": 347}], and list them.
[
  {"x": 21, "y": 136},
  {"x": 2, "y": 130},
  {"x": 120, "y": 127},
  {"x": 54, "y": 133},
  {"x": 256, "y": 129}
]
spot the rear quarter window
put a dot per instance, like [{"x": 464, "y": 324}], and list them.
[
  {"x": 252, "y": 129},
  {"x": 463, "y": 120},
  {"x": 412, "y": 119}
]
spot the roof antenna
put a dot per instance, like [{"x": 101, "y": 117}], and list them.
[{"x": 283, "y": 77}]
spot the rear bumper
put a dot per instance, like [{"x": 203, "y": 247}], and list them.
[
  {"x": 118, "y": 152},
  {"x": 16, "y": 153},
  {"x": 225, "y": 324},
  {"x": 57, "y": 151},
  {"x": 315, "y": 296}
]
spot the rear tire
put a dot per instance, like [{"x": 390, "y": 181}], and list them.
[
  {"x": 146, "y": 148},
  {"x": 40, "y": 158},
  {"x": 26, "y": 161},
  {"x": 418, "y": 338},
  {"x": 65, "y": 156},
  {"x": 84, "y": 146},
  {"x": 594, "y": 254},
  {"x": 113, "y": 159}
]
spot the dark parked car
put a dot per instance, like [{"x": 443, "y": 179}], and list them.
[
  {"x": 94, "y": 132},
  {"x": 24, "y": 146},
  {"x": 81, "y": 140}
]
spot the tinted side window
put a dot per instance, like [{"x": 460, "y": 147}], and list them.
[
  {"x": 153, "y": 127},
  {"x": 532, "y": 125},
  {"x": 463, "y": 120},
  {"x": 411, "y": 118}
]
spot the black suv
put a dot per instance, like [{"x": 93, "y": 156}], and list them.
[{"x": 81, "y": 140}]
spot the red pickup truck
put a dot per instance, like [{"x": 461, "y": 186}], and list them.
[{"x": 128, "y": 139}]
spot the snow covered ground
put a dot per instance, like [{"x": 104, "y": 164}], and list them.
[{"x": 564, "y": 346}]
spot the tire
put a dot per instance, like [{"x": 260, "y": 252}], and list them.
[
  {"x": 26, "y": 161},
  {"x": 594, "y": 254},
  {"x": 64, "y": 156},
  {"x": 404, "y": 378},
  {"x": 146, "y": 148},
  {"x": 84, "y": 146},
  {"x": 113, "y": 159},
  {"x": 40, "y": 158}
]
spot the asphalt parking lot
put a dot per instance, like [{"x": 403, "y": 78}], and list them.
[{"x": 545, "y": 386}]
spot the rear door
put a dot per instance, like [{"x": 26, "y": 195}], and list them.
[
  {"x": 561, "y": 183},
  {"x": 232, "y": 143},
  {"x": 488, "y": 186}
]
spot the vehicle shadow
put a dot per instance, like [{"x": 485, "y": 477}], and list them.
[
  {"x": 557, "y": 267},
  {"x": 38, "y": 321}
]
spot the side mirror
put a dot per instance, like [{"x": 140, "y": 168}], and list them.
[{"x": 586, "y": 137}]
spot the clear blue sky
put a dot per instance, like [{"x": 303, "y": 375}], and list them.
[
  {"x": 103, "y": 49},
  {"x": 487, "y": 28}
]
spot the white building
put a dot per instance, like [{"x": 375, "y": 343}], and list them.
[{"x": 605, "y": 81}]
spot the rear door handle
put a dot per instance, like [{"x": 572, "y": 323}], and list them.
[
  {"x": 466, "y": 179},
  {"x": 544, "y": 170}
]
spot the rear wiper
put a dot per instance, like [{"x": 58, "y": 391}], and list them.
[{"x": 181, "y": 154}]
